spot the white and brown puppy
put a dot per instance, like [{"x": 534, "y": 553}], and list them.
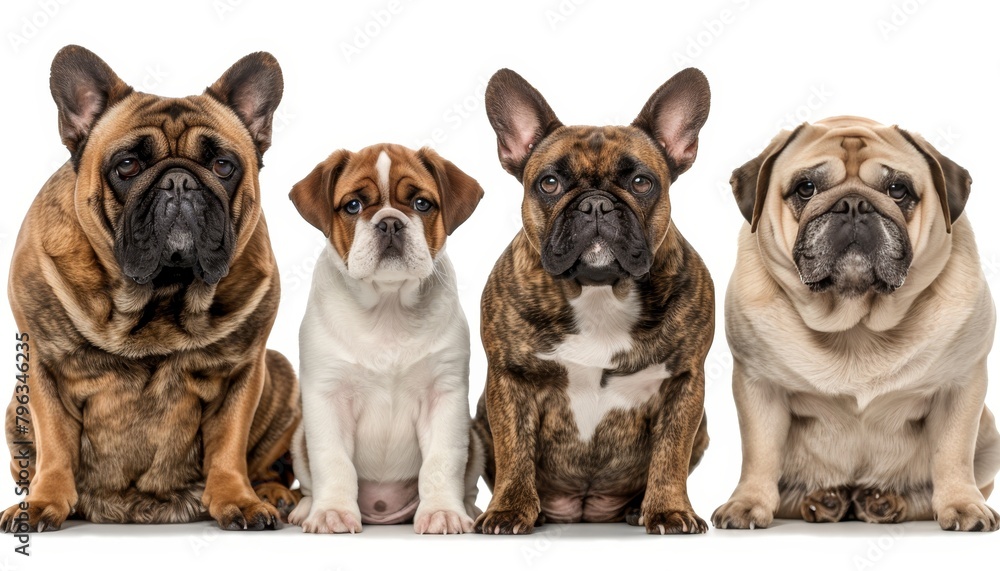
[
  {"x": 384, "y": 347},
  {"x": 860, "y": 322}
]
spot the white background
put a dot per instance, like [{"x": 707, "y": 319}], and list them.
[{"x": 419, "y": 75}]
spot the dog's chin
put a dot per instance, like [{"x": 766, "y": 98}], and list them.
[
  {"x": 852, "y": 275},
  {"x": 392, "y": 266},
  {"x": 173, "y": 276},
  {"x": 597, "y": 265},
  {"x": 167, "y": 276}
]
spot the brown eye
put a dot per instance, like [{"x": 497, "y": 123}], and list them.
[
  {"x": 897, "y": 191},
  {"x": 641, "y": 184},
  {"x": 128, "y": 168},
  {"x": 223, "y": 168},
  {"x": 806, "y": 189},
  {"x": 549, "y": 184}
]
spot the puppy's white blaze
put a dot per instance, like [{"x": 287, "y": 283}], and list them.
[
  {"x": 382, "y": 165},
  {"x": 605, "y": 327}
]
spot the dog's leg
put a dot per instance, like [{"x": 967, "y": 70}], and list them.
[
  {"x": 300, "y": 466},
  {"x": 443, "y": 435},
  {"x": 481, "y": 428},
  {"x": 228, "y": 496},
  {"x": 764, "y": 421},
  {"x": 700, "y": 443},
  {"x": 52, "y": 457},
  {"x": 278, "y": 415},
  {"x": 953, "y": 424},
  {"x": 666, "y": 507},
  {"x": 828, "y": 505},
  {"x": 879, "y": 506},
  {"x": 987, "y": 461},
  {"x": 473, "y": 470},
  {"x": 330, "y": 484},
  {"x": 514, "y": 427}
]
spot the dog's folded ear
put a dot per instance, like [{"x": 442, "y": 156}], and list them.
[
  {"x": 520, "y": 116},
  {"x": 952, "y": 182},
  {"x": 313, "y": 195},
  {"x": 460, "y": 193},
  {"x": 83, "y": 87},
  {"x": 750, "y": 181},
  {"x": 675, "y": 114},
  {"x": 252, "y": 87}
]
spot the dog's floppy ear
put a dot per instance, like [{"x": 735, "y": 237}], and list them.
[
  {"x": 460, "y": 193},
  {"x": 952, "y": 182},
  {"x": 313, "y": 195},
  {"x": 675, "y": 114},
  {"x": 520, "y": 116},
  {"x": 252, "y": 88},
  {"x": 83, "y": 87},
  {"x": 750, "y": 181}
]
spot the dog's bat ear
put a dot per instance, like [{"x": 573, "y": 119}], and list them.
[
  {"x": 520, "y": 116},
  {"x": 952, "y": 182},
  {"x": 252, "y": 88},
  {"x": 750, "y": 181},
  {"x": 313, "y": 195},
  {"x": 83, "y": 87},
  {"x": 675, "y": 114},
  {"x": 460, "y": 193}
]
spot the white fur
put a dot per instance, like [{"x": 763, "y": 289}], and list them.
[
  {"x": 365, "y": 261},
  {"x": 605, "y": 327},
  {"x": 382, "y": 166},
  {"x": 384, "y": 375}
]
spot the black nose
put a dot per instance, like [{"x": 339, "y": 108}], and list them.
[
  {"x": 177, "y": 179},
  {"x": 389, "y": 225},
  {"x": 852, "y": 205},
  {"x": 596, "y": 203}
]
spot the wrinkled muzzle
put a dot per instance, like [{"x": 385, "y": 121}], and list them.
[
  {"x": 177, "y": 228},
  {"x": 852, "y": 246},
  {"x": 596, "y": 238}
]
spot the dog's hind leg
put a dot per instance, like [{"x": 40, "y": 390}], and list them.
[
  {"x": 827, "y": 505},
  {"x": 473, "y": 470},
  {"x": 269, "y": 462}
]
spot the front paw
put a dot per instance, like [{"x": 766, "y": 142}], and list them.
[
  {"x": 970, "y": 515},
  {"x": 505, "y": 522},
  {"x": 441, "y": 522},
  {"x": 672, "y": 522},
  {"x": 742, "y": 513},
  {"x": 333, "y": 520},
  {"x": 40, "y": 516}
]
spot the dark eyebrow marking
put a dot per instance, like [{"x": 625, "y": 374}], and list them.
[{"x": 816, "y": 173}]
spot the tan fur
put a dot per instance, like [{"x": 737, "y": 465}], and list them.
[
  {"x": 880, "y": 393},
  {"x": 148, "y": 404}
]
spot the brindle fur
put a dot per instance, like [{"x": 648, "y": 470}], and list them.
[
  {"x": 148, "y": 404},
  {"x": 640, "y": 456}
]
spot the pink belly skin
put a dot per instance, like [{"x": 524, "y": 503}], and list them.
[
  {"x": 594, "y": 508},
  {"x": 387, "y": 502}
]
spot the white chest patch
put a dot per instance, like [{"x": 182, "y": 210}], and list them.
[{"x": 605, "y": 327}]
